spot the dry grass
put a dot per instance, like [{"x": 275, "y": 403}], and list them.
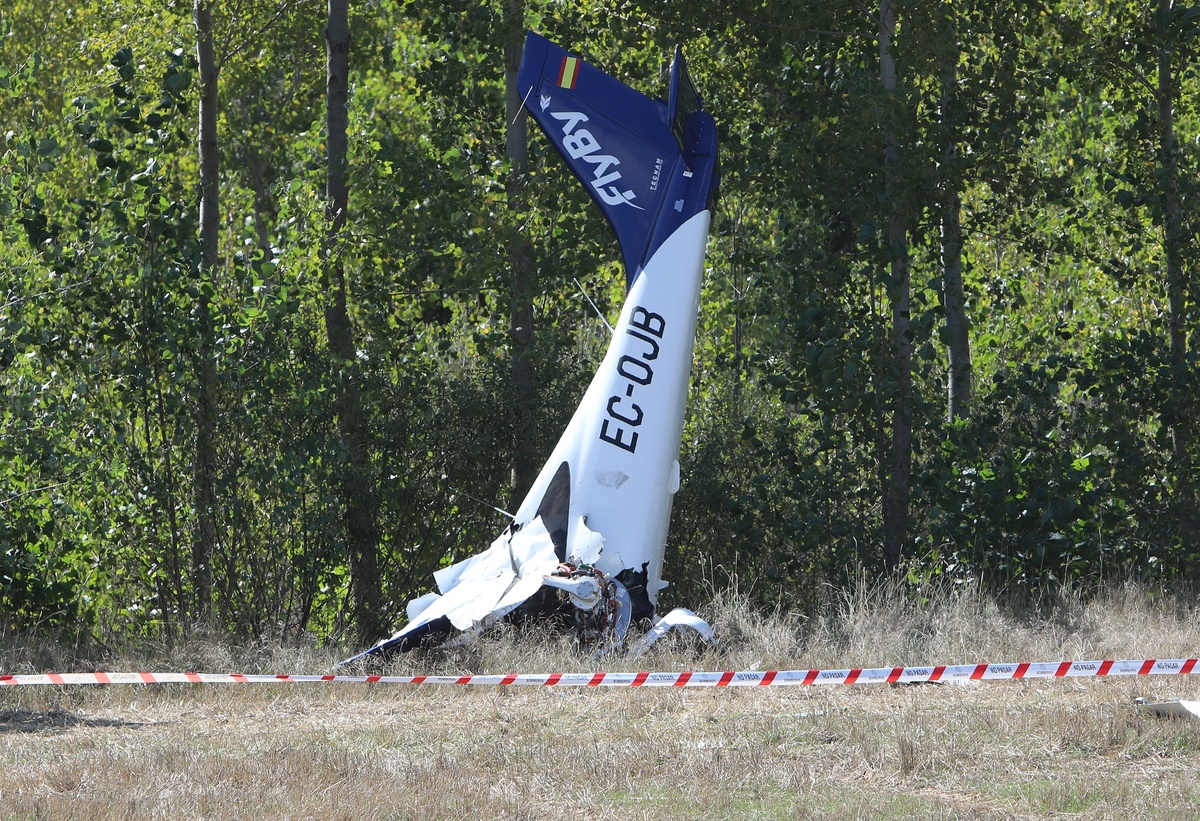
[{"x": 1057, "y": 749}]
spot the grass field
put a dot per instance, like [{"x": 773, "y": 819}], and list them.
[{"x": 1045, "y": 749}]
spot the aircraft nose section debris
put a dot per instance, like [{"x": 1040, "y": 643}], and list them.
[{"x": 584, "y": 592}]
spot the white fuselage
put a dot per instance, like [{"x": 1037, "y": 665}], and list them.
[{"x": 622, "y": 444}]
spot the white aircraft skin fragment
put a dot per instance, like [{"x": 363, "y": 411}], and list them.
[
  {"x": 491, "y": 583},
  {"x": 678, "y": 619},
  {"x": 1174, "y": 708},
  {"x": 418, "y": 605},
  {"x": 586, "y": 545}
]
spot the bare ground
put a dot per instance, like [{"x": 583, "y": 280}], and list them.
[{"x": 1045, "y": 749}]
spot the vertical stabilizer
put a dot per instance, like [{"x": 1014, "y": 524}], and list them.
[{"x": 649, "y": 165}]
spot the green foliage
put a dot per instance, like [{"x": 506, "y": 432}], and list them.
[{"x": 1076, "y": 461}]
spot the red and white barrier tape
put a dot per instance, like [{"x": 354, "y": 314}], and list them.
[{"x": 749, "y": 678}]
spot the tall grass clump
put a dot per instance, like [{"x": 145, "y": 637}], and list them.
[
  {"x": 870, "y": 625},
  {"x": 865, "y": 625}
]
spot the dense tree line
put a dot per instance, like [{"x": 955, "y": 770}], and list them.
[{"x": 291, "y": 298}]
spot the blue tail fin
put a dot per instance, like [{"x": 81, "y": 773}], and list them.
[{"x": 649, "y": 165}]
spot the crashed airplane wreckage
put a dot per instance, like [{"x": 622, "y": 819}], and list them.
[{"x": 586, "y": 545}]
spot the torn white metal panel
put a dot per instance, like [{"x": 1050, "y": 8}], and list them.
[
  {"x": 1175, "y": 708},
  {"x": 586, "y": 544},
  {"x": 531, "y": 550},
  {"x": 493, "y": 582},
  {"x": 417, "y": 606},
  {"x": 678, "y": 619}
]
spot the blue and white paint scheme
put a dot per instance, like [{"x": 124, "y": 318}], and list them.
[{"x": 586, "y": 545}]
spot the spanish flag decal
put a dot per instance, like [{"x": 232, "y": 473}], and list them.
[{"x": 568, "y": 72}]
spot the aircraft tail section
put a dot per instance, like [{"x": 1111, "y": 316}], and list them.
[{"x": 649, "y": 165}]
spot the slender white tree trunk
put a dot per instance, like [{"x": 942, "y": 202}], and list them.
[{"x": 896, "y": 493}]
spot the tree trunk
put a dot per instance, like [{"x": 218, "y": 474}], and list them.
[
  {"x": 357, "y": 488},
  {"x": 958, "y": 340},
  {"x": 522, "y": 284},
  {"x": 1183, "y": 426},
  {"x": 896, "y": 494},
  {"x": 204, "y": 539}
]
